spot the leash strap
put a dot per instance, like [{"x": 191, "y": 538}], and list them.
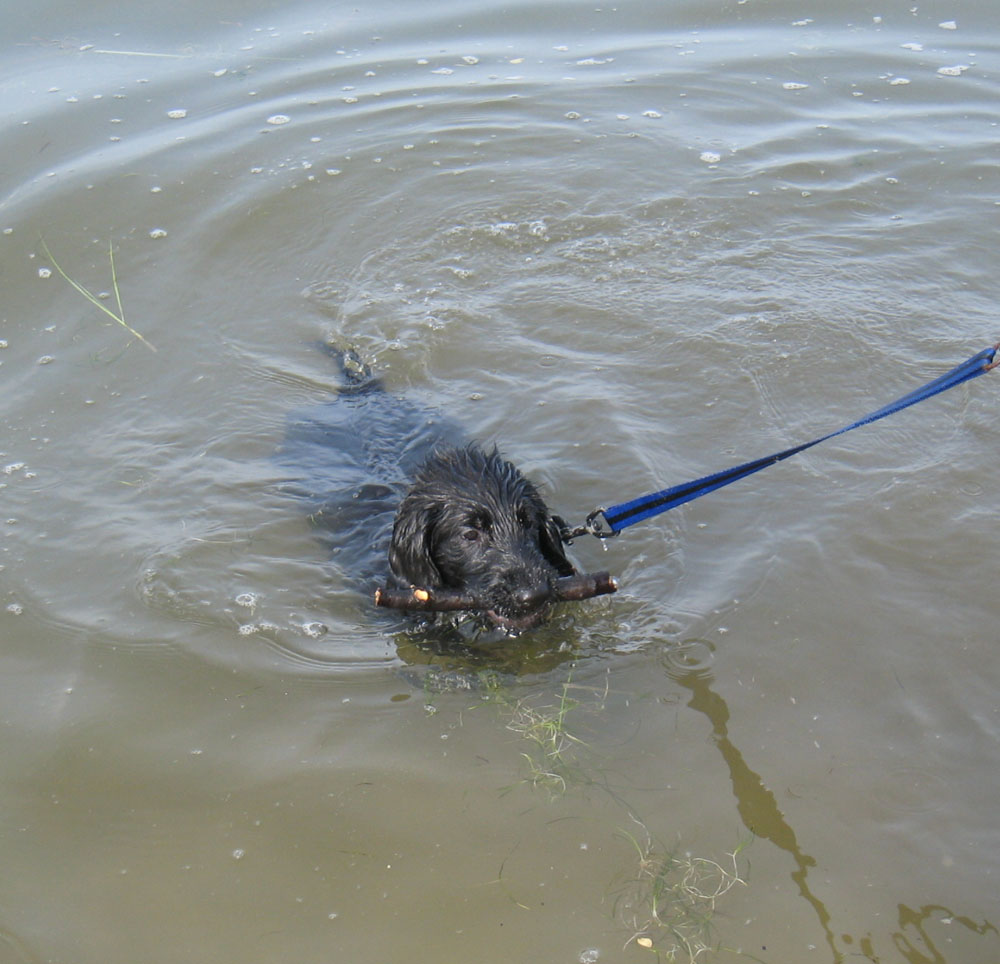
[{"x": 604, "y": 523}]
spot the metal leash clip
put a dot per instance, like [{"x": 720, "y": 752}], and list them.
[{"x": 594, "y": 525}]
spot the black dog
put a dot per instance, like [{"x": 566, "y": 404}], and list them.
[
  {"x": 386, "y": 478},
  {"x": 471, "y": 522}
]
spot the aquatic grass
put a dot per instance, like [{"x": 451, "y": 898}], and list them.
[
  {"x": 550, "y": 758},
  {"x": 669, "y": 900},
  {"x": 94, "y": 300},
  {"x": 546, "y": 726},
  {"x": 549, "y": 761}
]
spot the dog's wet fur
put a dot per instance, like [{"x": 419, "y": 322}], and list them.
[
  {"x": 472, "y": 522},
  {"x": 390, "y": 481}
]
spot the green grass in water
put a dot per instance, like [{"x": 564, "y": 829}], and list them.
[{"x": 94, "y": 300}]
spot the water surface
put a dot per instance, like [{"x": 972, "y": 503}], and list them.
[{"x": 631, "y": 245}]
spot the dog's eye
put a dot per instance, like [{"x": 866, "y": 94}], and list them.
[
  {"x": 523, "y": 518},
  {"x": 471, "y": 535}
]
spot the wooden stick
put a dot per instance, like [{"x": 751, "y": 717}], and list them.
[{"x": 584, "y": 585}]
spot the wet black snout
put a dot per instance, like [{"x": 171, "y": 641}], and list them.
[{"x": 532, "y": 597}]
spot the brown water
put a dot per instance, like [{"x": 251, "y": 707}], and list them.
[{"x": 630, "y": 244}]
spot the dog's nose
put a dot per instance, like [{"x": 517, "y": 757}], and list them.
[{"x": 530, "y": 597}]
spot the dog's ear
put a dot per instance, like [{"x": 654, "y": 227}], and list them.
[
  {"x": 551, "y": 543},
  {"x": 411, "y": 552}
]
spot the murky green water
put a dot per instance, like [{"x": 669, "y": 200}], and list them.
[{"x": 630, "y": 244}]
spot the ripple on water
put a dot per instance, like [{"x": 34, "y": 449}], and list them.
[
  {"x": 290, "y": 613},
  {"x": 690, "y": 656}
]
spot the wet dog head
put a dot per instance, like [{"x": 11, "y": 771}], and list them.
[{"x": 472, "y": 522}]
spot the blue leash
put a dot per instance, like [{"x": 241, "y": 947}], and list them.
[{"x": 604, "y": 523}]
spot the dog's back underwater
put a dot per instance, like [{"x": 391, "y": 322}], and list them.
[{"x": 352, "y": 458}]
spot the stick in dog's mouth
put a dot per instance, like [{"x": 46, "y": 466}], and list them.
[{"x": 584, "y": 585}]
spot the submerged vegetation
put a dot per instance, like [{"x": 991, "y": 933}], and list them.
[
  {"x": 668, "y": 901},
  {"x": 667, "y": 898},
  {"x": 550, "y": 757}
]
